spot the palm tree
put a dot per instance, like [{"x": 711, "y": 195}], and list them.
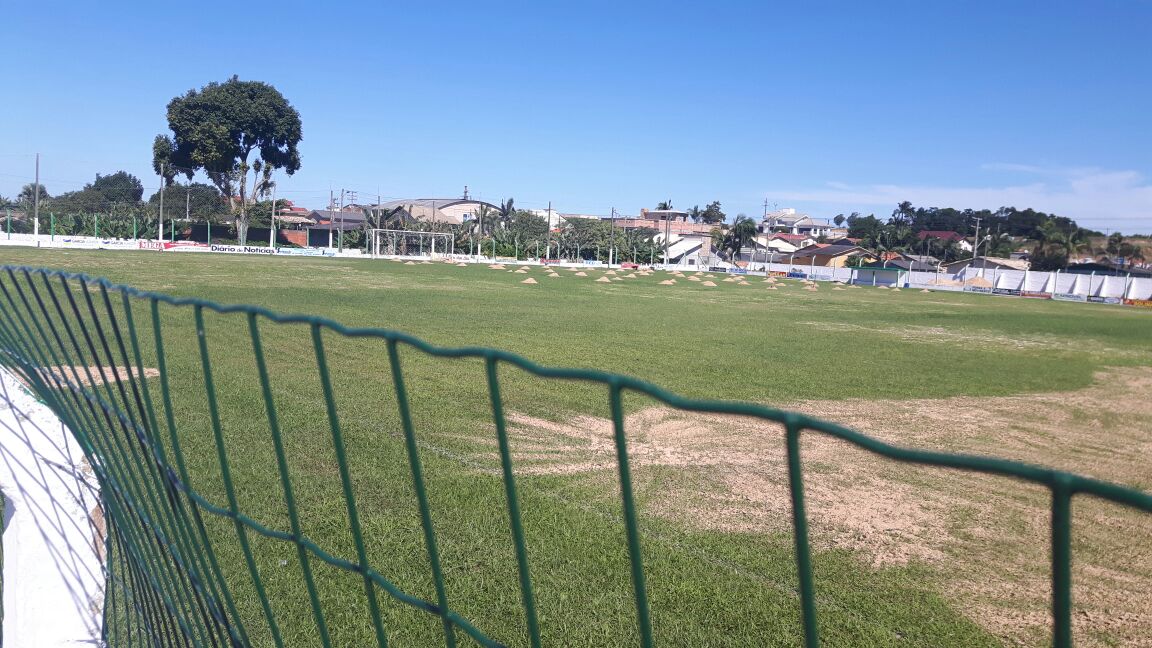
[
  {"x": 664, "y": 206},
  {"x": 839, "y": 220}
]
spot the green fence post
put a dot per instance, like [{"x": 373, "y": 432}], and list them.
[{"x": 209, "y": 232}]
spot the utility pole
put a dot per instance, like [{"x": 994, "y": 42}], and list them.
[
  {"x": 160, "y": 227},
  {"x": 36, "y": 201},
  {"x": 976, "y": 242},
  {"x": 332, "y": 218},
  {"x": 272, "y": 232},
  {"x": 611, "y": 237},
  {"x": 548, "y": 247},
  {"x": 341, "y": 215},
  {"x": 187, "y": 205}
]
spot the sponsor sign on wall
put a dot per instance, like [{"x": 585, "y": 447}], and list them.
[
  {"x": 1105, "y": 300},
  {"x": 304, "y": 252},
  {"x": 247, "y": 249},
  {"x": 978, "y": 289},
  {"x": 1012, "y": 292},
  {"x": 1035, "y": 295},
  {"x": 186, "y": 246},
  {"x": 1069, "y": 297},
  {"x": 797, "y": 275},
  {"x": 1142, "y": 303}
]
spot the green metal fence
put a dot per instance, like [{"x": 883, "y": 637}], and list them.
[{"x": 64, "y": 334}]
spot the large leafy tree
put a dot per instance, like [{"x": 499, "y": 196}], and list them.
[
  {"x": 204, "y": 202},
  {"x": 119, "y": 187},
  {"x": 712, "y": 214},
  {"x": 230, "y": 130}
]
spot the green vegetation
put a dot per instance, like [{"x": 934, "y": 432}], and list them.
[{"x": 739, "y": 342}]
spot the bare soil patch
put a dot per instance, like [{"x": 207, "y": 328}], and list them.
[{"x": 985, "y": 538}]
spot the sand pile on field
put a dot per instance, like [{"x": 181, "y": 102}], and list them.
[
  {"x": 770, "y": 280},
  {"x": 710, "y": 276},
  {"x": 580, "y": 274},
  {"x": 708, "y": 283},
  {"x": 461, "y": 265},
  {"x": 553, "y": 274},
  {"x": 496, "y": 266},
  {"x": 529, "y": 280},
  {"x": 925, "y": 290},
  {"x": 630, "y": 276},
  {"x": 610, "y": 272},
  {"x": 409, "y": 263},
  {"x": 698, "y": 273},
  {"x": 838, "y": 288},
  {"x": 521, "y": 271},
  {"x": 811, "y": 288},
  {"x": 770, "y": 288},
  {"x": 668, "y": 282},
  {"x": 425, "y": 263},
  {"x": 895, "y": 290},
  {"x": 693, "y": 278},
  {"x": 729, "y": 280},
  {"x": 617, "y": 278},
  {"x": 979, "y": 282},
  {"x": 603, "y": 280},
  {"x": 882, "y": 287}
]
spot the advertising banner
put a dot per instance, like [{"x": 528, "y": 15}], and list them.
[
  {"x": 186, "y": 246},
  {"x": 1141, "y": 303},
  {"x": 304, "y": 252},
  {"x": 1010, "y": 292},
  {"x": 1105, "y": 300},
  {"x": 1035, "y": 295},
  {"x": 1069, "y": 297},
  {"x": 978, "y": 289},
  {"x": 247, "y": 249}
]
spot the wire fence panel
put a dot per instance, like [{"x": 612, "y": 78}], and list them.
[{"x": 189, "y": 564}]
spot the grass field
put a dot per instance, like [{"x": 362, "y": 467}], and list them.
[{"x": 905, "y": 555}]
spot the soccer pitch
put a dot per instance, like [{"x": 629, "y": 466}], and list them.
[{"x": 923, "y": 556}]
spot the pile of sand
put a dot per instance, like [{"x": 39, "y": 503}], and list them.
[
  {"x": 838, "y": 288},
  {"x": 409, "y": 263},
  {"x": 979, "y": 282},
  {"x": 461, "y": 265},
  {"x": 521, "y": 271},
  {"x": 496, "y": 266},
  {"x": 895, "y": 290},
  {"x": 693, "y": 278},
  {"x": 668, "y": 282},
  {"x": 925, "y": 290},
  {"x": 529, "y": 280},
  {"x": 553, "y": 274},
  {"x": 729, "y": 280},
  {"x": 603, "y": 280},
  {"x": 580, "y": 274},
  {"x": 708, "y": 283},
  {"x": 610, "y": 272}
]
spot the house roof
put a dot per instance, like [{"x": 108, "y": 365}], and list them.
[
  {"x": 789, "y": 237},
  {"x": 943, "y": 235},
  {"x": 830, "y": 250},
  {"x": 994, "y": 262}
]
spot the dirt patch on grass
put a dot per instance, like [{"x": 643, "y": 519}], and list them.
[
  {"x": 93, "y": 376},
  {"x": 985, "y": 538}
]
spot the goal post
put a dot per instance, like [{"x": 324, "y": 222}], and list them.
[{"x": 394, "y": 243}]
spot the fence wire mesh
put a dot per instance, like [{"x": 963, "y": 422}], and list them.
[{"x": 187, "y": 565}]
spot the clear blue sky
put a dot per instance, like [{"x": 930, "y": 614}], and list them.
[{"x": 825, "y": 106}]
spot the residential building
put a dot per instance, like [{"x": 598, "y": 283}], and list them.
[
  {"x": 988, "y": 263},
  {"x": 787, "y": 221},
  {"x": 830, "y": 256},
  {"x": 945, "y": 236}
]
